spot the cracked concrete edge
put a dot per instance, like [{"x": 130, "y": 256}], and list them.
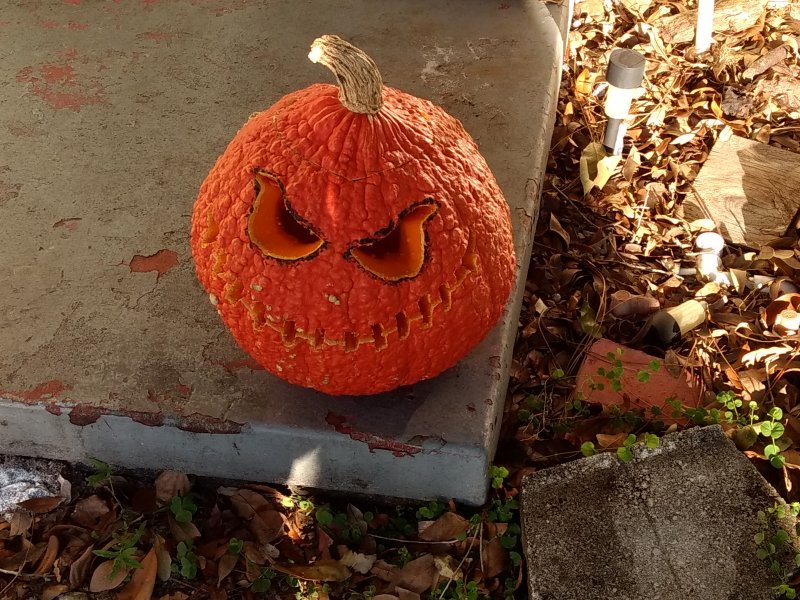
[{"x": 441, "y": 470}]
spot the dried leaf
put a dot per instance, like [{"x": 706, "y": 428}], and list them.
[
  {"x": 141, "y": 585},
  {"x": 596, "y": 167},
  {"x": 322, "y": 570},
  {"x": 225, "y": 565},
  {"x": 41, "y": 505},
  {"x": 556, "y": 228},
  {"x": 182, "y": 532},
  {"x": 360, "y": 563},
  {"x": 418, "y": 575},
  {"x": 21, "y": 522},
  {"x": 447, "y": 527},
  {"x": 102, "y": 579},
  {"x": 267, "y": 526},
  {"x": 247, "y": 503},
  {"x": 385, "y": 571},
  {"x": 163, "y": 558},
  {"x": 88, "y": 512},
  {"x": 494, "y": 558},
  {"x": 404, "y": 594},
  {"x": 79, "y": 569},
  {"x": 54, "y": 591},
  {"x": 169, "y": 484},
  {"x": 48, "y": 558}
]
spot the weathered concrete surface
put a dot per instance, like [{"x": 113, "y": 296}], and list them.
[
  {"x": 676, "y": 523},
  {"x": 112, "y": 114}
]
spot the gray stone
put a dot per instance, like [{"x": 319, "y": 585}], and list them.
[
  {"x": 113, "y": 114},
  {"x": 677, "y": 522}
]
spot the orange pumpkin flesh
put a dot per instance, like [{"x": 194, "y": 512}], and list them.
[
  {"x": 351, "y": 248},
  {"x": 274, "y": 229}
]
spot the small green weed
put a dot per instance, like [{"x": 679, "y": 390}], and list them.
[
  {"x": 102, "y": 473},
  {"x": 768, "y": 548},
  {"x": 497, "y": 475},
  {"x": 123, "y": 550},
  {"x": 432, "y": 510},
  {"x": 185, "y": 563},
  {"x": 502, "y": 511},
  {"x": 183, "y": 508},
  {"x": 235, "y": 546},
  {"x": 456, "y": 590},
  {"x": 263, "y": 582}
]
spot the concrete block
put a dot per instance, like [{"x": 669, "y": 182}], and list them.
[
  {"x": 675, "y": 523},
  {"x": 113, "y": 113}
]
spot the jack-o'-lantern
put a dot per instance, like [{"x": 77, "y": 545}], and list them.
[{"x": 352, "y": 238}]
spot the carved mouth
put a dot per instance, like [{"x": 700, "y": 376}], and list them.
[{"x": 380, "y": 335}]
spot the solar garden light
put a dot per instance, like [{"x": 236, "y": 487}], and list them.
[
  {"x": 624, "y": 77},
  {"x": 703, "y": 34}
]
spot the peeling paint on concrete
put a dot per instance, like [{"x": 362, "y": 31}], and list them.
[
  {"x": 197, "y": 423},
  {"x": 160, "y": 262},
  {"x": 58, "y": 84},
  {"x": 373, "y": 442},
  {"x": 44, "y": 391},
  {"x": 85, "y": 414}
]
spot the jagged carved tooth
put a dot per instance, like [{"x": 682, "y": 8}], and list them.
[
  {"x": 426, "y": 310},
  {"x": 350, "y": 341},
  {"x": 446, "y": 294},
  {"x": 379, "y": 336},
  {"x": 403, "y": 326},
  {"x": 319, "y": 338},
  {"x": 289, "y": 333}
]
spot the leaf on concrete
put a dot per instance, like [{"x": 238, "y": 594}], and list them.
[
  {"x": 169, "y": 484},
  {"x": 596, "y": 167},
  {"x": 445, "y": 528},
  {"x": 102, "y": 579}
]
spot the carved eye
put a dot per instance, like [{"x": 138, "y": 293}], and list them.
[
  {"x": 398, "y": 252},
  {"x": 275, "y": 228}
]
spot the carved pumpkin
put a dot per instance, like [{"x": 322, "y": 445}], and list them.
[{"x": 352, "y": 238}]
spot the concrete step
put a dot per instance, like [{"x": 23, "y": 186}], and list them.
[
  {"x": 113, "y": 113},
  {"x": 677, "y": 522}
]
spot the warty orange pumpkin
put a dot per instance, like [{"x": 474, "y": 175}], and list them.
[{"x": 353, "y": 238}]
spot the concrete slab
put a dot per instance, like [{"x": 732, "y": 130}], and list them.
[
  {"x": 113, "y": 113},
  {"x": 677, "y": 522}
]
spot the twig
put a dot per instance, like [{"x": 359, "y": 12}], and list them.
[{"x": 463, "y": 559}]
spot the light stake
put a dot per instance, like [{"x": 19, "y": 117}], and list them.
[
  {"x": 624, "y": 76},
  {"x": 705, "y": 26}
]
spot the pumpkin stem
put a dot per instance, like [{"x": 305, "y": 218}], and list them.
[{"x": 360, "y": 82}]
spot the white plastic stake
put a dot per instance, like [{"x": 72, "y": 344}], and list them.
[{"x": 705, "y": 25}]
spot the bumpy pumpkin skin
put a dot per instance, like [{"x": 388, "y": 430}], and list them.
[{"x": 324, "y": 322}]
